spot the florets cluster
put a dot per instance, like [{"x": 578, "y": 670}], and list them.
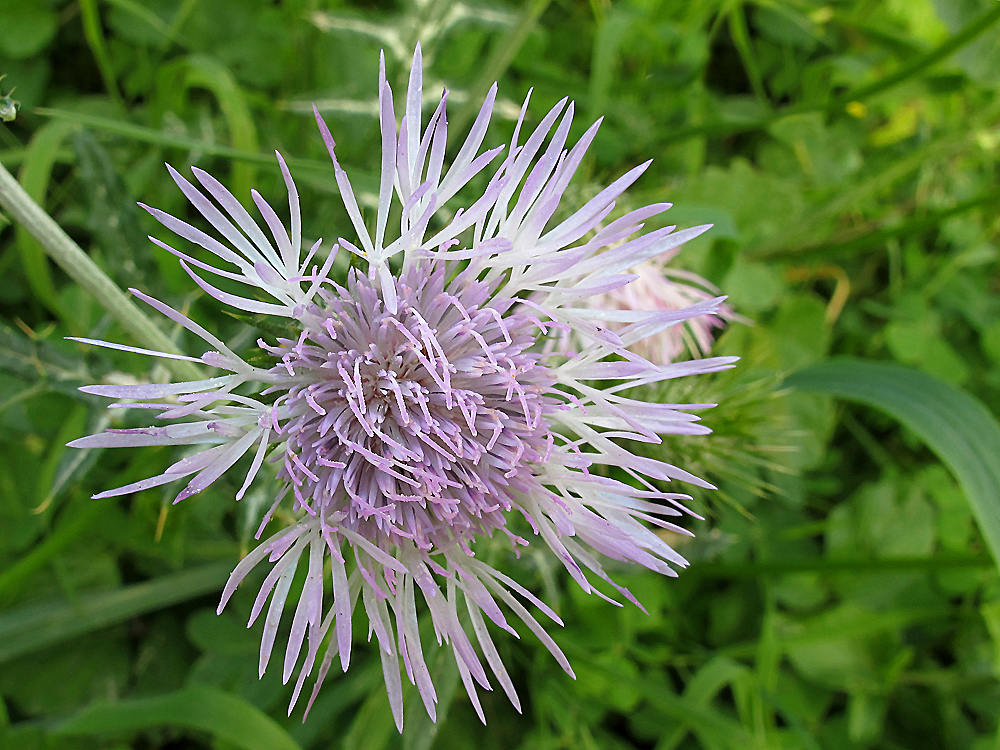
[{"x": 416, "y": 425}]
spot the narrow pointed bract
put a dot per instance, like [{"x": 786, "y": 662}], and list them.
[{"x": 415, "y": 411}]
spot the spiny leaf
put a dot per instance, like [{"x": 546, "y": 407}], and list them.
[{"x": 38, "y": 361}]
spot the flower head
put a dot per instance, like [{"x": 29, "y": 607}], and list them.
[
  {"x": 659, "y": 287},
  {"x": 426, "y": 400}
]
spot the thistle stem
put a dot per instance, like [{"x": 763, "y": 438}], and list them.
[{"x": 75, "y": 262}]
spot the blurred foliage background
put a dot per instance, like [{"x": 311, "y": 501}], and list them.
[{"x": 847, "y": 151}]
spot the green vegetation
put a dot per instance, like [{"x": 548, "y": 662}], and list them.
[{"x": 844, "y": 590}]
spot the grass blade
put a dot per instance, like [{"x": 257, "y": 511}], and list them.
[
  {"x": 36, "y": 626},
  {"x": 966, "y": 35},
  {"x": 315, "y": 172},
  {"x": 205, "y": 72},
  {"x": 917, "y": 65},
  {"x": 95, "y": 38},
  {"x": 67, "y": 254},
  {"x": 34, "y": 176},
  {"x": 501, "y": 56},
  {"x": 206, "y": 709},
  {"x": 956, "y": 426}
]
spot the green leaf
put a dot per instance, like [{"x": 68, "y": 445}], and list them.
[
  {"x": 419, "y": 731},
  {"x": 202, "y": 708},
  {"x": 95, "y": 38},
  {"x": 919, "y": 63},
  {"x": 67, "y": 531},
  {"x": 847, "y": 622},
  {"x": 501, "y": 55},
  {"x": 42, "y": 362},
  {"x": 712, "y": 727},
  {"x": 59, "y": 681},
  {"x": 112, "y": 215},
  {"x": 956, "y": 426},
  {"x": 35, "y": 176},
  {"x": 27, "y": 27},
  {"x": 205, "y": 72},
  {"x": 314, "y": 172},
  {"x": 34, "y": 626}
]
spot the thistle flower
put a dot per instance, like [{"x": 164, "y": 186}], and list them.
[
  {"x": 659, "y": 287},
  {"x": 421, "y": 406}
]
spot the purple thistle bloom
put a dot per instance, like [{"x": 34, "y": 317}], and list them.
[
  {"x": 657, "y": 287},
  {"x": 418, "y": 410}
]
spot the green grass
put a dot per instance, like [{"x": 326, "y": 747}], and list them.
[{"x": 842, "y": 593}]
